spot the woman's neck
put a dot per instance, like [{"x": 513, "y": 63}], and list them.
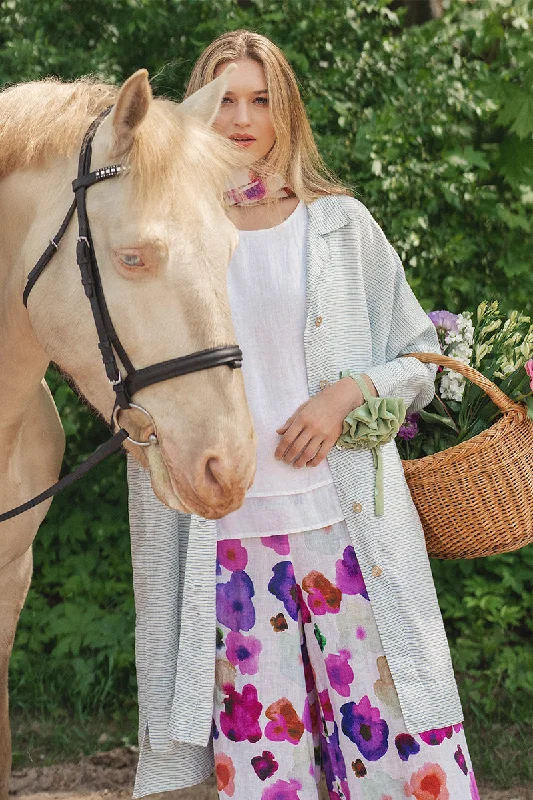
[{"x": 262, "y": 215}]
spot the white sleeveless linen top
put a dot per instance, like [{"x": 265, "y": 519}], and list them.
[{"x": 267, "y": 296}]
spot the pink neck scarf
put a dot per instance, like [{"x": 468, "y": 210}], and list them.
[{"x": 249, "y": 188}]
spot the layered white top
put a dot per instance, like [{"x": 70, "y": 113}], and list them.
[{"x": 267, "y": 291}]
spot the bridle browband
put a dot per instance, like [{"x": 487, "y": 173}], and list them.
[{"x": 108, "y": 341}]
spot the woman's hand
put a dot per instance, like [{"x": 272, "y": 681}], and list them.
[{"x": 310, "y": 433}]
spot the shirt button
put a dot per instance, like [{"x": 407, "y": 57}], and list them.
[
  {"x": 357, "y": 507},
  {"x": 318, "y": 322},
  {"x": 376, "y": 571},
  {"x": 323, "y": 384}
]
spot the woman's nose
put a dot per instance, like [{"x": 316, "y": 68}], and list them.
[{"x": 242, "y": 116}]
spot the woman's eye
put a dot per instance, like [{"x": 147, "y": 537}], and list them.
[
  {"x": 262, "y": 101},
  {"x": 131, "y": 260}
]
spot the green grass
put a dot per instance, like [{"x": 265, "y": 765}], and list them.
[{"x": 502, "y": 754}]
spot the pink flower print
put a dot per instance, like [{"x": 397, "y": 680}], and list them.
[
  {"x": 264, "y": 765},
  {"x": 283, "y": 790},
  {"x": 286, "y": 725},
  {"x": 239, "y": 720},
  {"x": 310, "y": 717},
  {"x": 461, "y": 760},
  {"x": 231, "y": 554},
  {"x": 324, "y": 597},
  {"x": 339, "y": 671},
  {"x": 529, "y": 370},
  {"x": 429, "y": 783},
  {"x": 225, "y": 774},
  {"x": 473, "y": 787},
  {"x": 348, "y": 574},
  {"x": 436, "y": 735},
  {"x": 325, "y": 705},
  {"x": 243, "y": 652},
  {"x": 280, "y": 544},
  {"x": 458, "y": 727},
  {"x": 306, "y": 616}
]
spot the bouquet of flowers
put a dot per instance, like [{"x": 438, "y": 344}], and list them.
[{"x": 501, "y": 349}]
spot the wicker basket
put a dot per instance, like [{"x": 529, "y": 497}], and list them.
[{"x": 476, "y": 498}]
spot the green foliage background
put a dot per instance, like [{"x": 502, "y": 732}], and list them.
[{"x": 432, "y": 126}]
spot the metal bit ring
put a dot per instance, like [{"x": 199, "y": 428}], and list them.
[{"x": 152, "y": 439}]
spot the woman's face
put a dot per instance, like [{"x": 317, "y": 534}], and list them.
[{"x": 244, "y": 114}]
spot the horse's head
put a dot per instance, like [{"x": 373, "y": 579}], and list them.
[{"x": 163, "y": 243}]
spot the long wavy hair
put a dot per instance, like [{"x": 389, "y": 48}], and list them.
[{"x": 294, "y": 155}]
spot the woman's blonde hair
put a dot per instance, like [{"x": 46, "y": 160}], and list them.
[{"x": 294, "y": 154}]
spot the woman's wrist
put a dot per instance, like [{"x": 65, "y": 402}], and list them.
[{"x": 352, "y": 396}]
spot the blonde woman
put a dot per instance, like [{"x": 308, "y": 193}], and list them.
[{"x": 328, "y": 650}]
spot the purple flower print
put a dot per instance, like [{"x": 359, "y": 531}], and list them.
[
  {"x": 235, "y": 609},
  {"x": 339, "y": 671},
  {"x": 243, "y": 652},
  {"x": 406, "y": 746},
  {"x": 363, "y": 726},
  {"x": 349, "y": 576},
  {"x": 278, "y": 543},
  {"x": 436, "y": 735},
  {"x": 283, "y": 790},
  {"x": 283, "y": 586},
  {"x": 461, "y": 760},
  {"x": 310, "y": 717},
  {"x": 239, "y": 720},
  {"x": 409, "y": 429},
  {"x": 334, "y": 766},
  {"x": 264, "y": 765},
  {"x": 231, "y": 554}
]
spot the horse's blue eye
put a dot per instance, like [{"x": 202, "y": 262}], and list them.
[{"x": 131, "y": 260}]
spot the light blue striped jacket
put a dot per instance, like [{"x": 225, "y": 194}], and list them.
[{"x": 356, "y": 283}]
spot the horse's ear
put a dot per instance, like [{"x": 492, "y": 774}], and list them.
[
  {"x": 130, "y": 109},
  {"x": 205, "y": 102}
]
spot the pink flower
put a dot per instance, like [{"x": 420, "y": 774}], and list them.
[
  {"x": 278, "y": 543},
  {"x": 281, "y": 790},
  {"x": 339, "y": 671},
  {"x": 436, "y": 735},
  {"x": 231, "y": 554},
  {"x": 243, "y": 652},
  {"x": 286, "y": 725},
  {"x": 529, "y": 370},
  {"x": 473, "y": 787},
  {"x": 325, "y": 705}
]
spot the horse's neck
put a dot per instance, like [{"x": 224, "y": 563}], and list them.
[{"x": 22, "y": 359}]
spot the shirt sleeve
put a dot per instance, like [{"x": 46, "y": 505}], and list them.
[{"x": 399, "y": 325}]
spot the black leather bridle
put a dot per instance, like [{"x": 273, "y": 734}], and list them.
[{"x": 109, "y": 343}]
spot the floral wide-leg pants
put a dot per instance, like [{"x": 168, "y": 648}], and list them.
[{"x": 302, "y": 681}]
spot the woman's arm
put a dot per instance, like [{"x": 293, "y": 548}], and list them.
[{"x": 398, "y": 323}]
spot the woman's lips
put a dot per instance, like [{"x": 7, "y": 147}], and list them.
[{"x": 242, "y": 142}]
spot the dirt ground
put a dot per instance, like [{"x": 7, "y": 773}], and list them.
[{"x": 109, "y": 776}]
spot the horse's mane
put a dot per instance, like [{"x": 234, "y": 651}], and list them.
[{"x": 40, "y": 120}]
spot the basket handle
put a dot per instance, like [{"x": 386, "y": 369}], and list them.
[{"x": 504, "y": 403}]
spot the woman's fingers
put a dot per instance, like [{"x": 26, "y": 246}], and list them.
[{"x": 309, "y": 452}]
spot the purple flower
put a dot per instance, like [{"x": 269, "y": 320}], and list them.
[
  {"x": 332, "y": 758},
  {"x": 528, "y": 366},
  {"x": 235, "y": 609},
  {"x": 409, "y": 429},
  {"x": 281, "y": 790},
  {"x": 461, "y": 760},
  {"x": 339, "y": 671},
  {"x": 349, "y": 576},
  {"x": 264, "y": 765},
  {"x": 363, "y": 725},
  {"x": 243, "y": 652},
  {"x": 406, "y": 745},
  {"x": 283, "y": 586},
  {"x": 444, "y": 320}
]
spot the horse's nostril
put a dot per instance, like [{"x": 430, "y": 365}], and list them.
[{"x": 212, "y": 472}]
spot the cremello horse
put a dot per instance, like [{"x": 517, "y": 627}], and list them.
[{"x": 163, "y": 243}]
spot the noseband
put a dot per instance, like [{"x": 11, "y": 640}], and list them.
[{"x": 108, "y": 342}]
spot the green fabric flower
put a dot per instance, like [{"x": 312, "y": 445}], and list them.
[{"x": 375, "y": 422}]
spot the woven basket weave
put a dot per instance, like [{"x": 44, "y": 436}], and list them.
[{"x": 476, "y": 498}]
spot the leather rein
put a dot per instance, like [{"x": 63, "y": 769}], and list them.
[{"x": 109, "y": 343}]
